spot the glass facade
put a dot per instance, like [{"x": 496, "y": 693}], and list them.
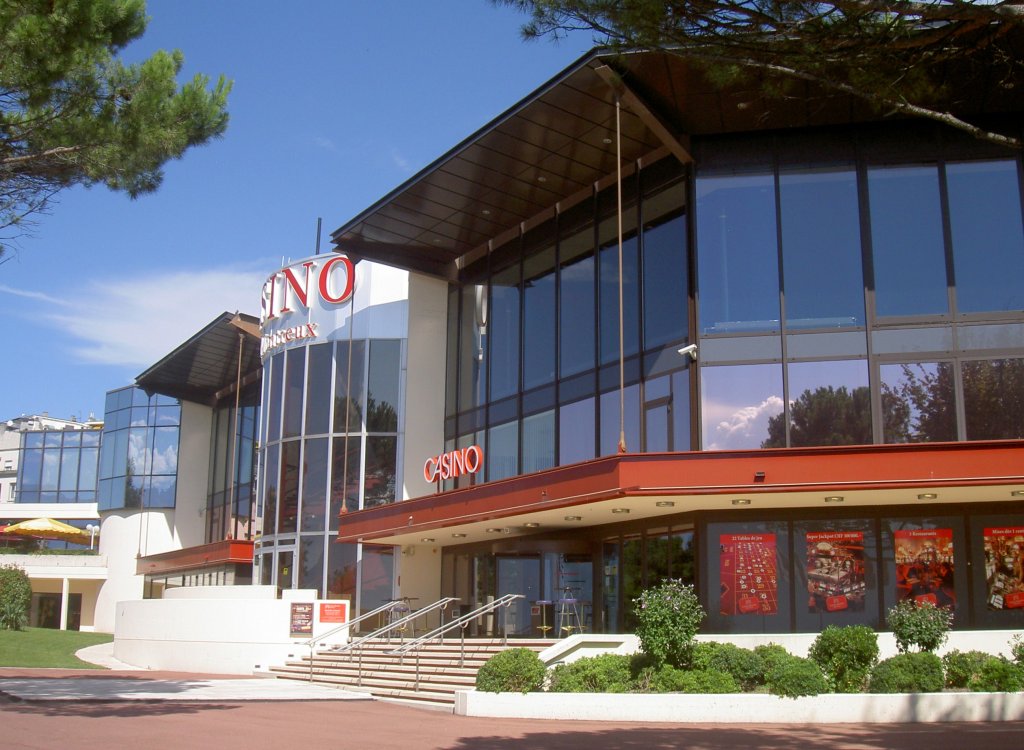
[
  {"x": 139, "y": 458},
  {"x": 58, "y": 466},
  {"x": 836, "y": 297},
  {"x": 332, "y": 445},
  {"x": 231, "y": 498}
]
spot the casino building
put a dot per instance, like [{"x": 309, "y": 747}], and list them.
[{"x": 656, "y": 327}]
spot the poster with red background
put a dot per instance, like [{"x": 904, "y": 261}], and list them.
[
  {"x": 747, "y": 571},
  {"x": 835, "y": 571},
  {"x": 924, "y": 566},
  {"x": 1004, "y": 567}
]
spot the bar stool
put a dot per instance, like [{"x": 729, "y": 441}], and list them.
[
  {"x": 543, "y": 627},
  {"x": 569, "y": 614}
]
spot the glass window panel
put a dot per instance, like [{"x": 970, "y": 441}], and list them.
[
  {"x": 656, "y": 426},
  {"x": 289, "y": 507},
  {"x": 138, "y": 397},
  {"x": 138, "y": 443},
  {"x": 29, "y": 471},
  {"x": 69, "y": 469},
  {"x": 918, "y": 402},
  {"x": 923, "y": 559},
  {"x": 632, "y": 579},
  {"x": 382, "y": 390},
  {"x": 311, "y": 564},
  {"x": 747, "y": 568},
  {"x": 168, "y": 415},
  {"x": 165, "y": 450},
  {"x": 538, "y": 314},
  {"x": 318, "y": 388},
  {"x": 452, "y": 369},
  {"x": 33, "y": 440},
  {"x": 275, "y": 390},
  {"x": 576, "y": 423},
  {"x": 665, "y": 283},
  {"x": 609, "y": 302},
  {"x": 504, "y": 333},
  {"x": 576, "y": 314},
  {"x": 988, "y": 238},
  {"x": 907, "y": 245},
  {"x": 139, "y": 416},
  {"x": 51, "y": 469},
  {"x": 91, "y": 439},
  {"x": 380, "y": 481},
  {"x": 87, "y": 469},
  {"x": 738, "y": 403},
  {"x": 473, "y": 338},
  {"x": 160, "y": 493},
  {"x": 821, "y": 253},
  {"x": 502, "y": 451},
  {"x": 830, "y": 404},
  {"x": 836, "y": 564},
  {"x": 376, "y": 576},
  {"x": 120, "y": 454},
  {"x": 349, "y": 379},
  {"x": 610, "y": 423},
  {"x": 346, "y": 464},
  {"x": 681, "y": 410},
  {"x": 52, "y": 439},
  {"x": 341, "y": 571},
  {"x": 294, "y": 385},
  {"x": 539, "y": 442},
  {"x": 134, "y": 490},
  {"x": 72, "y": 438},
  {"x": 270, "y": 491},
  {"x": 737, "y": 254},
  {"x": 314, "y": 485},
  {"x": 994, "y": 399}
]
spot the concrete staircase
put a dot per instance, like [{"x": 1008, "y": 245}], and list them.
[{"x": 386, "y": 676}]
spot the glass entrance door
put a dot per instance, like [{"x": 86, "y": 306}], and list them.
[{"x": 519, "y": 575}]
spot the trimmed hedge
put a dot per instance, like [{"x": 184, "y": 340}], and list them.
[
  {"x": 846, "y": 656},
  {"x": 606, "y": 673},
  {"x": 795, "y": 677},
  {"x": 518, "y": 670},
  {"x": 919, "y": 672}
]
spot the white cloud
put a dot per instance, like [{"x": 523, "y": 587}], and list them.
[
  {"x": 745, "y": 427},
  {"x": 136, "y": 321},
  {"x": 400, "y": 161},
  {"x": 325, "y": 143},
  {"x": 40, "y": 296}
]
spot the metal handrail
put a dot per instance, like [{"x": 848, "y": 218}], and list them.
[
  {"x": 365, "y": 616},
  {"x": 399, "y": 624},
  {"x": 460, "y": 622}
]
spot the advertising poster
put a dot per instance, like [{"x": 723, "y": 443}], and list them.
[
  {"x": 924, "y": 566},
  {"x": 747, "y": 574},
  {"x": 301, "y": 618},
  {"x": 1004, "y": 567},
  {"x": 835, "y": 571}
]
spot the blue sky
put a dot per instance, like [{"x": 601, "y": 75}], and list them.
[{"x": 335, "y": 102}]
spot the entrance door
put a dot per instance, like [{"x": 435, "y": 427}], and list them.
[
  {"x": 519, "y": 575},
  {"x": 285, "y": 578}
]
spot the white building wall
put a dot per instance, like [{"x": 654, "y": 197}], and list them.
[{"x": 193, "y": 477}]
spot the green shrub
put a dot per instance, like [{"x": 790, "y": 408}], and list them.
[
  {"x": 667, "y": 619},
  {"x": 15, "y": 597},
  {"x": 518, "y": 670},
  {"x": 908, "y": 673},
  {"x": 997, "y": 675},
  {"x": 668, "y": 679},
  {"x": 794, "y": 677},
  {"x": 846, "y": 656},
  {"x": 606, "y": 673},
  {"x": 919, "y": 624},
  {"x": 745, "y": 666},
  {"x": 960, "y": 666},
  {"x": 772, "y": 655},
  {"x": 1017, "y": 649}
]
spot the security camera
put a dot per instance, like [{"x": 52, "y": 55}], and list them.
[{"x": 691, "y": 350}]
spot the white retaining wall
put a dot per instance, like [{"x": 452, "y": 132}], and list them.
[{"x": 214, "y": 635}]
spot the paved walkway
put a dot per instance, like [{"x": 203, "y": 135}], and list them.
[{"x": 51, "y": 709}]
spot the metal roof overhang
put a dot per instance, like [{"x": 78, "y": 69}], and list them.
[
  {"x": 205, "y": 368},
  {"x": 645, "y": 486},
  {"x": 550, "y": 149}
]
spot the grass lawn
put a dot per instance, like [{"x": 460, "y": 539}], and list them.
[{"x": 44, "y": 647}]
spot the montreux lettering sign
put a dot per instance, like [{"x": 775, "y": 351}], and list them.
[
  {"x": 454, "y": 464},
  {"x": 299, "y": 290}
]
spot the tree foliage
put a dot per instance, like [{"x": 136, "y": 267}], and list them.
[
  {"x": 894, "y": 55},
  {"x": 824, "y": 416},
  {"x": 73, "y": 114},
  {"x": 15, "y": 597}
]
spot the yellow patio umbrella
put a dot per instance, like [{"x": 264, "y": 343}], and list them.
[{"x": 48, "y": 528}]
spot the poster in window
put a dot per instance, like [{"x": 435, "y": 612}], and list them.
[
  {"x": 835, "y": 571},
  {"x": 747, "y": 571},
  {"x": 1004, "y": 567},
  {"x": 924, "y": 566}
]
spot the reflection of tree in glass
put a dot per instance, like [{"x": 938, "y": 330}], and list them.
[
  {"x": 380, "y": 416},
  {"x": 824, "y": 416},
  {"x": 132, "y": 492},
  {"x": 994, "y": 399},
  {"x": 920, "y": 407}
]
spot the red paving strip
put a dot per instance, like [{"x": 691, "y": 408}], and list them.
[{"x": 156, "y": 725}]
